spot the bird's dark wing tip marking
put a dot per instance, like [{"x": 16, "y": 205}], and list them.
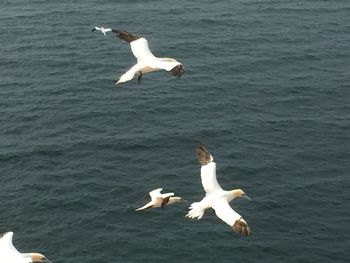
[
  {"x": 165, "y": 201},
  {"x": 203, "y": 155},
  {"x": 126, "y": 36},
  {"x": 241, "y": 227},
  {"x": 177, "y": 71}
]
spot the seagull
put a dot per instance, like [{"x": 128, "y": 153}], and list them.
[
  {"x": 9, "y": 254},
  {"x": 102, "y": 29},
  {"x": 146, "y": 61},
  {"x": 160, "y": 200},
  {"x": 216, "y": 197}
]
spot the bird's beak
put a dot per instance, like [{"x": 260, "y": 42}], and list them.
[{"x": 246, "y": 197}]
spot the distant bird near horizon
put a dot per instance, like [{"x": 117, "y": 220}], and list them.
[
  {"x": 146, "y": 61},
  {"x": 102, "y": 29},
  {"x": 160, "y": 200},
  {"x": 9, "y": 254},
  {"x": 216, "y": 197}
]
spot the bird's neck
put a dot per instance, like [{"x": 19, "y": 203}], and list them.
[
  {"x": 229, "y": 195},
  {"x": 33, "y": 256}
]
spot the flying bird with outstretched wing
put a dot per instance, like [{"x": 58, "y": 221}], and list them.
[{"x": 216, "y": 197}]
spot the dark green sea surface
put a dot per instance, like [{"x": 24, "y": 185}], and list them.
[{"x": 266, "y": 89}]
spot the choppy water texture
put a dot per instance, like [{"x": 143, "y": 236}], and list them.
[{"x": 266, "y": 89}]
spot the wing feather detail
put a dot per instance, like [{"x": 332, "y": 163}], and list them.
[
  {"x": 208, "y": 178},
  {"x": 224, "y": 211},
  {"x": 155, "y": 193},
  {"x": 138, "y": 44},
  {"x": 126, "y": 36},
  {"x": 203, "y": 155},
  {"x": 140, "y": 49}
]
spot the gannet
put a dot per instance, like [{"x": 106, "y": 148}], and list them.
[
  {"x": 216, "y": 197},
  {"x": 9, "y": 254},
  {"x": 102, "y": 29},
  {"x": 160, "y": 200},
  {"x": 146, "y": 61}
]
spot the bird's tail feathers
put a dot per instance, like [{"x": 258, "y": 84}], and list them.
[{"x": 196, "y": 211}]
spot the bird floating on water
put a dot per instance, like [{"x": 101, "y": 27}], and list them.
[
  {"x": 146, "y": 61},
  {"x": 160, "y": 200},
  {"x": 102, "y": 29},
  {"x": 216, "y": 197},
  {"x": 9, "y": 254}
]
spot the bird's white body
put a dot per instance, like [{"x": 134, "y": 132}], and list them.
[
  {"x": 146, "y": 61},
  {"x": 159, "y": 200},
  {"x": 216, "y": 197},
  {"x": 102, "y": 29},
  {"x": 9, "y": 254}
]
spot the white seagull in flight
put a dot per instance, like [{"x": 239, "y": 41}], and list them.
[
  {"x": 102, "y": 29},
  {"x": 216, "y": 197},
  {"x": 9, "y": 254},
  {"x": 160, "y": 200},
  {"x": 146, "y": 61}
]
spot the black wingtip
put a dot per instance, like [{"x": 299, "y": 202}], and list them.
[
  {"x": 126, "y": 36},
  {"x": 177, "y": 71},
  {"x": 241, "y": 227},
  {"x": 203, "y": 155},
  {"x": 201, "y": 147},
  {"x": 92, "y": 30}
]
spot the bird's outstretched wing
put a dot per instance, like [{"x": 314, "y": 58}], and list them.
[
  {"x": 126, "y": 36},
  {"x": 8, "y": 252},
  {"x": 146, "y": 206},
  {"x": 204, "y": 157},
  {"x": 129, "y": 74},
  {"x": 208, "y": 170},
  {"x": 138, "y": 44},
  {"x": 167, "y": 195},
  {"x": 140, "y": 49},
  {"x": 156, "y": 193},
  {"x": 224, "y": 211},
  {"x": 156, "y": 196},
  {"x": 6, "y": 241}
]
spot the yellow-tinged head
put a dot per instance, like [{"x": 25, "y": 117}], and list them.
[{"x": 239, "y": 193}]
